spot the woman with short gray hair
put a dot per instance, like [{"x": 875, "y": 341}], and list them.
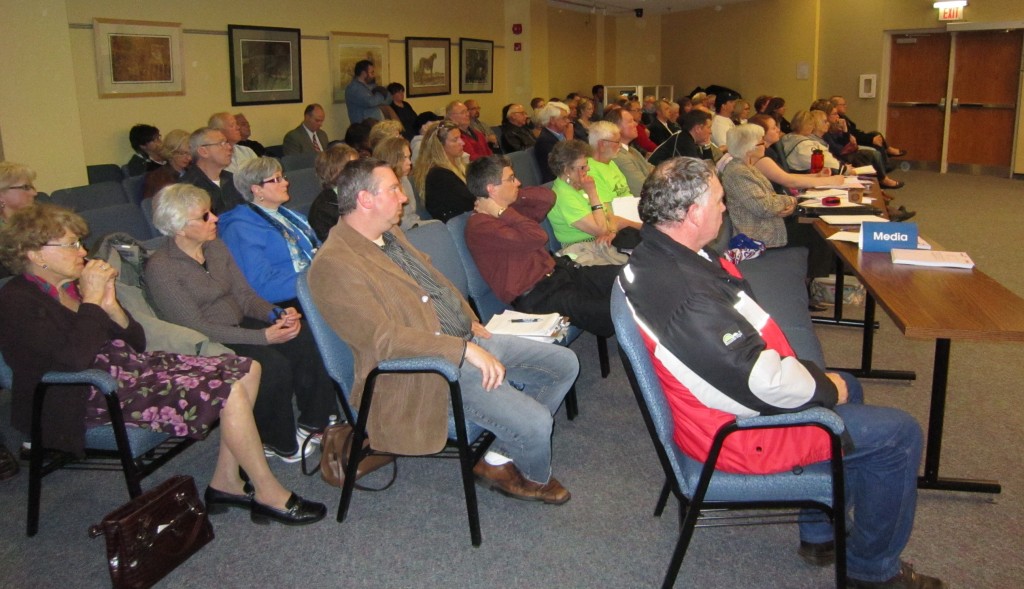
[
  {"x": 194, "y": 281},
  {"x": 754, "y": 207}
]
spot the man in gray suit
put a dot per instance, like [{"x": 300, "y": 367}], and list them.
[{"x": 307, "y": 137}]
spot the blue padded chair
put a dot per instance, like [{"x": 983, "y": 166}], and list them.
[
  {"x": 524, "y": 164},
  {"x": 133, "y": 187},
  {"x": 104, "y": 173},
  {"x": 122, "y": 218},
  {"x": 487, "y": 304},
  {"x": 298, "y": 161},
  {"x": 698, "y": 485},
  {"x": 92, "y": 196},
  {"x": 276, "y": 151},
  {"x": 138, "y": 451},
  {"x": 147, "y": 214},
  {"x": 303, "y": 188},
  {"x": 340, "y": 365}
]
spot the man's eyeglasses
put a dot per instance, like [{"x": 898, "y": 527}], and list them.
[
  {"x": 511, "y": 179},
  {"x": 274, "y": 180},
  {"x": 219, "y": 144},
  {"x": 71, "y": 246}
]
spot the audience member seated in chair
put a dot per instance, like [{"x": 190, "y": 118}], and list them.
[
  {"x": 693, "y": 141},
  {"x": 386, "y": 300},
  {"x": 515, "y": 129},
  {"x": 178, "y": 155},
  {"x": 16, "y": 193},
  {"x": 211, "y": 155},
  {"x": 395, "y": 152},
  {"x": 720, "y": 356},
  {"x": 270, "y": 243},
  {"x": 633, "y": 165},
  {"x": 194, "y": 281},
  {"x": 510, "y": 249},
  {"x": 62, "y": 314},
  {"x": 441, "y": 172},
  {"x": 553, "y": 119},
  {"x": 146, "y": 143},
  {"x": 323, "y": 213}
]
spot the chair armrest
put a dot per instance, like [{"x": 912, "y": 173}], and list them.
[
  {"x": 107, "y": 384},
  {"x": 421, "y": 364},
  {"x": 818, "y": 415}
]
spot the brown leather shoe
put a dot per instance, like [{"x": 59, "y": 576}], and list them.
[
  {"x": 907, "y": 578},
  {"x": 507, "y": 480}
]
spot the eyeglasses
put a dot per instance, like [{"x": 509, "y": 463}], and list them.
[
  {"x": 511, "y": 179},
  {"x": 71, "y": 246},
  {"x": 25, "y": 187},
  {"x": 181, "y": 152},
  {"x": 274, "y": 180},
  {"x": 204, "y": 218},
  {"x": 219, "y": 144}
]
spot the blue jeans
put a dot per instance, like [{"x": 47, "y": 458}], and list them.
[
  {"x": 881, "y": 487},
  {"x": 519, "y": 412}
]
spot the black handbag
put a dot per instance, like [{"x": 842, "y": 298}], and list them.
[{"x": 152, "y": 534}]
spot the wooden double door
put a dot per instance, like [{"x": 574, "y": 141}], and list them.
[{"x": 953, "y": 98}]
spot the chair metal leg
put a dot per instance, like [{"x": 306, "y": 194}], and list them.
[
  {"x": 35, "y": 466},
  {"x": 466, "y": 462},
  {"x": 572, "y": 408},
  {"x": 602, "y": 355},
  {"x": 685, "y": 535},
  {"x": 666, "y": 490}
]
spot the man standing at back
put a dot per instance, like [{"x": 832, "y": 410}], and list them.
[
  {"x": 386, "y": 300},
  {"x": 307, "y": 137},
  {"x": 363, "y": 96}
]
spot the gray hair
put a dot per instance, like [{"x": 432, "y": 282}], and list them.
[
  {"x": 551, "y": 110},
  {"x": 742, "y": 138},
  {"x": 672, "y": 188},
  {"x": 565, "y": 154},
  {"x": 220, "y": 120},
  {"x": 354, "y": 178},
  {"x": 601, "y": 130},
  {"x": 255, "y": 171},
  {"x": 485, "y": 172},
  {"x": 172, "y": 204},
  {"x": 198, "y": 138}
]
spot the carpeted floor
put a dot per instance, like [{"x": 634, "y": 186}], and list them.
[{"x": 415, "y": 534}]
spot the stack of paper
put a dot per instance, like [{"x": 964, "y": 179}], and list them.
[
  {"x": 851, "y": 219},
  {"x": 932, "y": 258},
  {"x": 545, "y": 328},
  {"x": 626, "y": 207}
]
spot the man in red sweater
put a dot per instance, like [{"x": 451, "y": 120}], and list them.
[
  {"x": 511, "y": 250},
  {"x": 475, "y": 144}
]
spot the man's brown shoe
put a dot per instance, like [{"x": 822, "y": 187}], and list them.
[
  {"x": 907, "y": 578},
  {"x": 507, "y": 480}
]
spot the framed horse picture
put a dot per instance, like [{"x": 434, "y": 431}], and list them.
[
  {"x": 428, "y": 66},
  {"x": 476, "y": 66}
]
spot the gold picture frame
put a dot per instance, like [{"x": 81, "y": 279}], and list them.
[
  {"x": 346, "y": 49},
  {"x": 137, "y": 58}
]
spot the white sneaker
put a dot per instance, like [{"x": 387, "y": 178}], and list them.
[
  {"x": 289, "y": 458},
  {"x": 302, "y": 433}
]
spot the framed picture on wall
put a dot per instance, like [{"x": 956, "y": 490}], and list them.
[
  {"x": 266, "y": 65},
  {"x": 138, "y": 58},
  {"x": 347, "y": 49},
  {"x": 428, "y": 66},
  {"x": 476, "y": 66}
]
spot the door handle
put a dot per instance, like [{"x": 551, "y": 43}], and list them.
[
  {"x": 956, "y": 104},
  {"x": 942, "y": 103}
]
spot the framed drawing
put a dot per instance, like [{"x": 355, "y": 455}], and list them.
[
  {"x": 476, "y": 66},
  {"x": 138, "y": 58},
  {"x": 346, "y": 49},
  {"x": 266, "y": 65},
  {"x": 428, "y": 66}
]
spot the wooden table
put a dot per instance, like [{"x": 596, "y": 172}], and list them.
[{"x": 934, "y": 303}]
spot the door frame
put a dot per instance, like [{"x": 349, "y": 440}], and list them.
[{"x": 951, "y": 29}]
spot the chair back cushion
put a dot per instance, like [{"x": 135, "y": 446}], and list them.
[
  {"x": 433, "y": 239},
  {"x": 336, "y": 354},
  {"x": 120, "y": 218},
  {"x": 303, "y": 188},
  {"x": 92, "y": 196},
  {"x": 524, "y": 164},
  {"x": 486, "y": 302},
  {"x": 297, "y": 161}
]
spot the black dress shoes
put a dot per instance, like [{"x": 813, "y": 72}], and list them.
[
  {"x": 819, "y": 555},
  {"x": 297, "y": 512},
  {"x": 219, "y": 501}
]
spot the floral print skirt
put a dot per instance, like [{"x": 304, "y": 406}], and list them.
[{"x": 172, "y": 393}]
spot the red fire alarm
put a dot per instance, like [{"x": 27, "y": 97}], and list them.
[
  {"x": 517, "y": 29},
  {"x": 517, "y": 47}
]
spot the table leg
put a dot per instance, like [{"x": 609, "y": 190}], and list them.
[
  {"x": 936, "y": 416},
  {"x": 867, "y": 349},
  {"x": 837, "y": 309}
]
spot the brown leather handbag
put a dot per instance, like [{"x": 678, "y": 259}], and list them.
[
  {"x": 152, "y": 534},
  {"x": 335, "y": 449}
]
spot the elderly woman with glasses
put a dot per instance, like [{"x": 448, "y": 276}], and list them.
[
  {"x": 62, "y": 313},
  {"x": 440, "y": 172},
  {"x": 194, "y": 281},
  {"x": 582, "y": 212},
  {"x": 754, "y": 207},
  {"x": 16, "y": 189},
  {"x": 270, "y": 243},
  {"x": 176, "y": 151}
]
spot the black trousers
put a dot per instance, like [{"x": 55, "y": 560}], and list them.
[
  {"x": 582, "y": 293},
  {"x": 293, "y": 368}
]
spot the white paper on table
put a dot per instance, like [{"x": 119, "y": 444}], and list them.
[
  {"x": 935, "y": 259},
  {"x": 852, "y": 219},
  {"x": 626, "y": 207},
  {"x": 864, "y": 170},
  {"x": 844, "y": 202},
  {"x": 848, "y": 182},
  {"x": 848, "y": 236},
  {"x": 816, "y": 193}
]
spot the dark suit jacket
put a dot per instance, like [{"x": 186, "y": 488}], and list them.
[
  {"x": 297, "y": 141},
  {"x": 541, "y": 150},
  {"x": 222, "y": 198}
]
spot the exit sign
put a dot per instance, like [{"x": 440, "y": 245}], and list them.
[{"x": 956, "y": 13}]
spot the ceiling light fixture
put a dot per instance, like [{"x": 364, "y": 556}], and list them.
[{"x": 950, "y": 4}]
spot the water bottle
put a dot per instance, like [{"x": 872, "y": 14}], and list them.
[{"x": 817, "y": 161}]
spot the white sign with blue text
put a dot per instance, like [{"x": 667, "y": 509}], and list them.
[{"x": 884, "y": 237}]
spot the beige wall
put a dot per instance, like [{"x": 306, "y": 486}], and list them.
[
  {"x": 638, "y": 58},
  {"x": 572, "y": 51}
]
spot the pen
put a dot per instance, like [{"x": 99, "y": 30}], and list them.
[{"x": 525, "y": 320}]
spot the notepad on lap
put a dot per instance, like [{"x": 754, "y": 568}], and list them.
[
  {"x": 626, "y": 207},
  {"x": 933, "y": 258}
]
